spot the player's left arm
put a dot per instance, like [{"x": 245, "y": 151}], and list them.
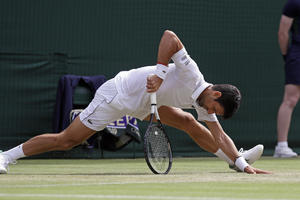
[
  {"x": 222, "y": 139},
  {"x": 168, "y": 46},
  {"x": 228, "y": 147}
]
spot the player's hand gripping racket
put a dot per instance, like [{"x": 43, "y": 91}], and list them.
[{"x": 157, "y": 148}]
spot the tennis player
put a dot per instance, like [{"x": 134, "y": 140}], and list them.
[{"x": 178, "y": 85}]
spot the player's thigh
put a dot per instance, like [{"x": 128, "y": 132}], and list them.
[
  {"x": 175, "y": 117},
  {"x": 76, "y": 131}
]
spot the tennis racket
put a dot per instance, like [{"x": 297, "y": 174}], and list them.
[{"x": 157, "y": 147}]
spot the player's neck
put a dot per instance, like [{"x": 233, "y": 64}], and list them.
[{"x": 201, "y": 97}]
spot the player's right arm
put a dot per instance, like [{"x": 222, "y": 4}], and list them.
[
  {"x": 283, "y": 33},
  {"x": 168, "y": 46}
]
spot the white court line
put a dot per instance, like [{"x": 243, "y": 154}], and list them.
[
  {"x": 69, "y": 184},
  {"x": 95, "y": 196},
  {"x": 87, "y": 184}
]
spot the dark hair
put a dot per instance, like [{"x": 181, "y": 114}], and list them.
[{"x": 230, "y": 99}]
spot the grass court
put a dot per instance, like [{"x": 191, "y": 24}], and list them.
[{"x": 189, "y": 179}]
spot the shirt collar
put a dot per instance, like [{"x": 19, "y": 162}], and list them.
[{"x": 200, "y": 88}]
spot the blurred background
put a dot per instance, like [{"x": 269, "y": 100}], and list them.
[{"x": 232, "y": 41}]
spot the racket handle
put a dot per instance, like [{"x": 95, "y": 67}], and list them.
[{"x": 153, "y": 98}]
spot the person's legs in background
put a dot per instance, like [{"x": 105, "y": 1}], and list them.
[{"x": 290, "y": 99}]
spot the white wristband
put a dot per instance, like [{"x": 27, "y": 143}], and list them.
[
  {"x": 241, "y": 163},
  {"x": 161, "y": 71}
]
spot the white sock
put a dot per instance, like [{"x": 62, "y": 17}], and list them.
[
  {"x": 282, "y": 144},
  {"x": 14, "y": 153},
  {"x": 224, "y": 157}
]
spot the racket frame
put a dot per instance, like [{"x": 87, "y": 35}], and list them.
[{"x": 154, "y": 112}]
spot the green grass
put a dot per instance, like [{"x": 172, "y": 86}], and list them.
[{"x": 189, "y": 179}]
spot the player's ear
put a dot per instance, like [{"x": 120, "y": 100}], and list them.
[{"x": 217, "y": 94}]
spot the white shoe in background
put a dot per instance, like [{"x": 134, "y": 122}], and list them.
[{"x": 284, "y": 152}]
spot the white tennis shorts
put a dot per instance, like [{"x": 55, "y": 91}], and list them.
[{"x": 104, "y": 108}]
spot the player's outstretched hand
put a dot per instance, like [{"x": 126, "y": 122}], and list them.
[
  {"x": 153, "y": 83},
  {"x": 251, "y": 170}
]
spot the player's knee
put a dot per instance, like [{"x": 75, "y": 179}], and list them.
[
  {"x": 66, "y": 146},
  {"x": 70, "y": 143},
  {"x": 66, "y": 143}
]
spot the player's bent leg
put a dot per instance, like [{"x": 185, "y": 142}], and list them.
[
  {"x": 65, "y": 140},
  {"x": 186, "y": 122}
]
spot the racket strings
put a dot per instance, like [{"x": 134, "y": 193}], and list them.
[{"x": 158, "y": 149}]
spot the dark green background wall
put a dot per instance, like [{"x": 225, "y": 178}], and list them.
[{"x": 233, "y": 41}]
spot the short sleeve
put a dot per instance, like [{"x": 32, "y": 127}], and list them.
[
  {"x": 291, "y": 8},
  {"x": 181, "y": 59}
]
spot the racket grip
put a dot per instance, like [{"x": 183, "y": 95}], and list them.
[{"x": 153, "y": 98}]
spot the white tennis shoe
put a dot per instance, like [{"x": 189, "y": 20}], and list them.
[
  {"x": 284, "y": 152},
  {"x": 250, "y": 155},
  {"x": 3, "y": 164}
]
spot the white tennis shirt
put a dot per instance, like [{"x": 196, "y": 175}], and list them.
[{"x": 181, "y": 87}]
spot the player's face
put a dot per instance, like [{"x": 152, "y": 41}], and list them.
[
  {"x": 213, "y": 106},
  {"x": 210, "y": 104}
]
